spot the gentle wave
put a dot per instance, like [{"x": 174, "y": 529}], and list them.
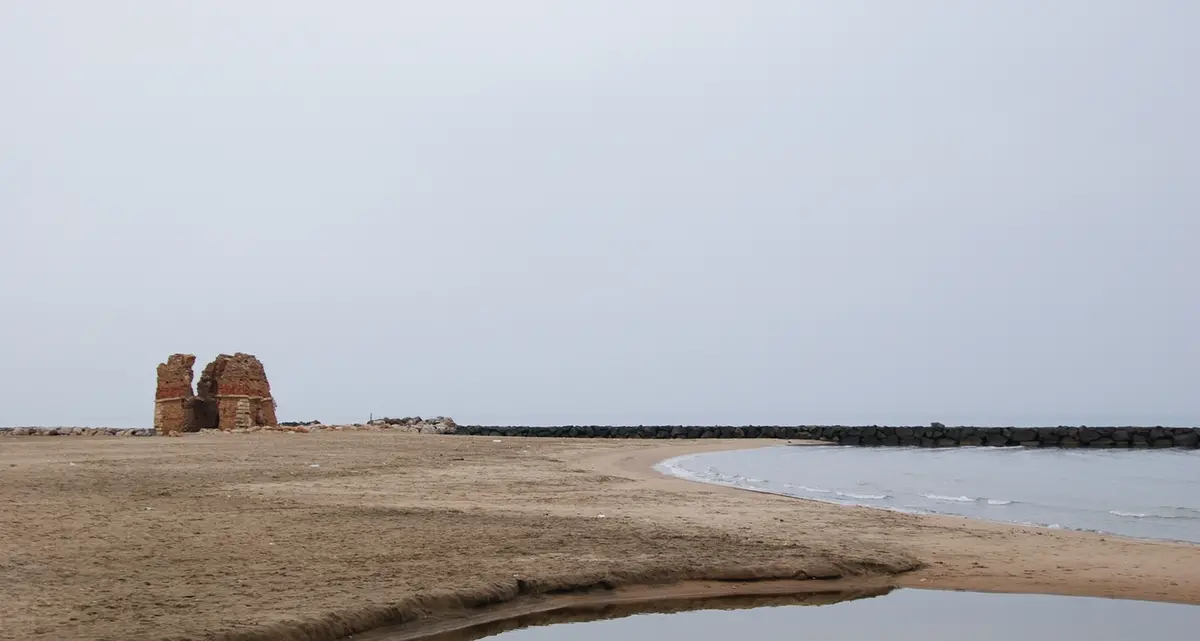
[
  {"x": 848, "y": 495},
  {"x": 956, "y": 499},
  {"x": 736, "y": 479},
  {"x": 815, "y": 490},
  {"x": 1181, "y": 513},
  {"x": 966, "y": 499},
  {"x": 1143, "y": 515},
  {"x": 674, "y": 467},
  {"x": 864, "y": 497}
]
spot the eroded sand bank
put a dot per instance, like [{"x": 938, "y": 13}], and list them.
[{"x": 309, "y": 536}]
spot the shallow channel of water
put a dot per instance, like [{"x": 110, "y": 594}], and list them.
[
  {"x": 561, "y": 611},
  {"x": 903, "y": 615}
]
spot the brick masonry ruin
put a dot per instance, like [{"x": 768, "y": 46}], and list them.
[
  {"x": 233, "y": 392},
  {"x": 174, "y": 401}
]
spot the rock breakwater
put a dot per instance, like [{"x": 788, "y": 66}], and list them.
[
  {"x": 874, "y": 435},
  {"x": 867, "y": 436},
  {"x": 75, "y": 431}
]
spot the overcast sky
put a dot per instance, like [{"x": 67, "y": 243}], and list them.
[{"x": 646, "y": 211}]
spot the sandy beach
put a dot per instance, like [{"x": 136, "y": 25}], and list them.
[{"x": 286, "y": 536}]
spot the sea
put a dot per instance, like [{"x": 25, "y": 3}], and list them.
[{"x": 1152, "y": 494}]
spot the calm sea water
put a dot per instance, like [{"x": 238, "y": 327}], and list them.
[
  {"x": 1140, "y": 493},
  {"x": 904, "y": 615}
]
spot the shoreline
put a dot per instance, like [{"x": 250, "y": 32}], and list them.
[
  {"x": 1037, "y": 526},
  {"x": 666, "y": 597},
  {"x": 940, "y": 575},
  {"x": 277, "y": 536}
]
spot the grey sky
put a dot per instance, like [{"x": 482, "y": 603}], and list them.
[{"x": 536, "y": 211}]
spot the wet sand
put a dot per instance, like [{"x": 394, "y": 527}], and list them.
[{"x": 282, "y": 536}]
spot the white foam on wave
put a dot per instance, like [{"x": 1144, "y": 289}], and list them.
[
  {"x": 814, "y": 490},
  {"x": 967, "y": 499},
  {"x": 956, "y": 499},
  {"x": 864, "y": 497},
  {"x": 674, "y": 467},
  {"x": 1136, "y": 515},
  {"x": 848, "y": 495}
]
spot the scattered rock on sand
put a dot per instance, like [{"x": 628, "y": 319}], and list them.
[
  {"x": 438, "y": 425},
  {"x": 435, "y": 425}
]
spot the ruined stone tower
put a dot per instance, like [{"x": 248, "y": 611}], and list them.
[
  {"x": 173, "y": 399},
  {"x": 233, "y": 392}
]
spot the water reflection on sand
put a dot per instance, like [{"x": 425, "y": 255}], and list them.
[
  {"x": 905, "y": 615},
  {"x": 588, "y": 608}
]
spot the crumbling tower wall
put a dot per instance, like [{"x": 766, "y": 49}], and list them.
[
  {"x": 174, "y": 401},
  {"x": 234, "y": 392}
]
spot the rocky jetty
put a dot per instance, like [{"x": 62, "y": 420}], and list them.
[
  {"x": 435, "y": 425},
  {"x": 75, "y": 431},
  {"x": 933, "y": 435},
  {"x": 413, "y": 424}
]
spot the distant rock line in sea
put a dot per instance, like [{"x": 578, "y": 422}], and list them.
[
  {"x": 935, "y": 435},
  {"x": 76, "y": 431}
]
